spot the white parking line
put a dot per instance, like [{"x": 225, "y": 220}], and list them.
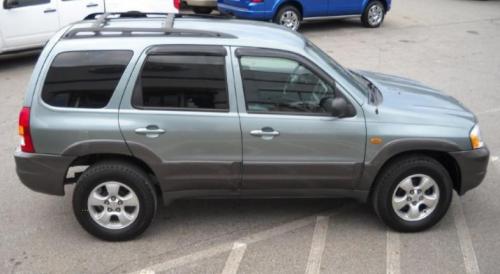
[
  {"x": 393, "y": 253},
  {"x": 317, "y": 245},
  {"x": 234, "y": 259},
  {"x": 219, "y": 249},
  {"x": 469, "y": 255}
]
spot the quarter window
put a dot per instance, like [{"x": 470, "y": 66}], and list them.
[
  {"x": 183, "y": 82},
  {"x": 84, "y": 79},
  {"x": 278, "y": 85}
]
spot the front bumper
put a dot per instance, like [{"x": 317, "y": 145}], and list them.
[
  {"x": 473, "y": 165},
  {"x": 42, "y": 172}
]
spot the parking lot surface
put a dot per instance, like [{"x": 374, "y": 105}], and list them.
[{"x": 453, "y": 45}]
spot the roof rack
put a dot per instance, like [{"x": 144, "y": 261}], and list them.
[{"x": 101, "y": 19}]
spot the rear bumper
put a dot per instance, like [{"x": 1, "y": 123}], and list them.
[
  {"x": 245, "y": 13},
  {"x": 473, "y": 167},
  {"x": 41, "y": 172}
]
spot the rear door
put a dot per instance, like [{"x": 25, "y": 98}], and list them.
[
  {"x": 28, "y": 23},
  {"x": 180, "y": 106},
  {"x": 71, "y": 11}
]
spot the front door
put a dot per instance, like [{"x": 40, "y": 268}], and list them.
[
  {"x": 183, "y": 111},
  {"x": 289, "y": 141},
  {"x": 28, "y": 23}
]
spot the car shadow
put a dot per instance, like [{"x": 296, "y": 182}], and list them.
[
  {"x": 331, "y": 24},
  {"x": 20, "y": 59}
]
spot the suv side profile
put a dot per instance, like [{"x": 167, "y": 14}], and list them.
[{"x": 137, "y": 111}]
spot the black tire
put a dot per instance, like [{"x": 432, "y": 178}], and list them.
[
  {"x": 131, "y": 176},
  {"x": 292, "y": 9},
  {"x": 202, "y": 10},
  {"x": 365, "y": 16},
  {"x": 396, "y": 172}
]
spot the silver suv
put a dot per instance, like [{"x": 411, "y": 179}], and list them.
[{"x": 141, "y": 110}]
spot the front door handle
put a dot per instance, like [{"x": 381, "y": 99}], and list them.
[
  {"x": 92, "y": 5},
  {"x": 150, "y": 131},
  {"x": 49, "y": 10},
  {"x": 266, "y": 133}
]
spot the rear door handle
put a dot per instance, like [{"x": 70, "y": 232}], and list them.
[
  {"x": 92, "y": 5},
  {"x": 150, "y": 131},
  {"x": 49, "y": 10}
]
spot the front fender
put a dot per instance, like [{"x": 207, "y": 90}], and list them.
[{"x": 396, "y": 147}]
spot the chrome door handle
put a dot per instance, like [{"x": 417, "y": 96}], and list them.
[
  {"x": 259, "y": 133},
  {"x": 91, "y": 5},
  {"x": 49, "y": 10},
  {"x": 150, "y": 131}
]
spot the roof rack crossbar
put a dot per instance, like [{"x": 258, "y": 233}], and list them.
[
  {"x": 169, "y": 22},
  {"x": 101, "y": 21}
]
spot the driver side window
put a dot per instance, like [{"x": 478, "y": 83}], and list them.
[{"x": 279, "y": 85}]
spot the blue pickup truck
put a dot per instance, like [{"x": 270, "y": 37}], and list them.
[{"x": 291, "y": 13}]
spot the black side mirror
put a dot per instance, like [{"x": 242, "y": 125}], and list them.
[
  {"x": 338, "y": 107},
  {"x": 9, "y": 4}
]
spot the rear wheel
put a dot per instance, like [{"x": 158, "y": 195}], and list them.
[
  {"x": 373, "y": 15},
  {"x": 289, "y": 16},
  {"x": 202, "y": 10},
  {"x": 413, "y": 193},
  {"x": 114, "y": 201}
]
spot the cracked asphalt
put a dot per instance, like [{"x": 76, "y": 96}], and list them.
[{"x": 453, "y": 45}]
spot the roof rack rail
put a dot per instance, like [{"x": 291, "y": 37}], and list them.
[{"x": 98, "y": 27}]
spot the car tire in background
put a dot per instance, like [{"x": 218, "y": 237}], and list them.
[
  {"x": 288, "y": 16},
  {"x": 412, "y": 193},
  {"x": 202, "y": 10},
  {"x": 114, "y": 200},
  {"x": 373, "y": 15}
]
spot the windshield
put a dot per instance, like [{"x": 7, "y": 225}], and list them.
[{"x": 357, "y": 80}]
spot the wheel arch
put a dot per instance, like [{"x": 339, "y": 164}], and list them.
[
  {"x": 367, "y": 2},
  {"x": 436, "y": 149}
]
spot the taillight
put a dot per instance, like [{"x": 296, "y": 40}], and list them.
[
  {"x": 177, "y": 4},
  {"x": 24, "y": 131}
]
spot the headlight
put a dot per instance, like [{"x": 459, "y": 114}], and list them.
[{"x": 475, "y": 138}]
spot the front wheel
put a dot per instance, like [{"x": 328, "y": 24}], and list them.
[
  {"x": 114, "y": 200},
  {"x": 413, "y": 193},
  {"x": 288, "y": 16},
  {"x": 373, "y": 15}
]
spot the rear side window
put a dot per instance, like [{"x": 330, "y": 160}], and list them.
[
  {"x": 84, "y": 79},
  {"x": 182, "y": 82}
]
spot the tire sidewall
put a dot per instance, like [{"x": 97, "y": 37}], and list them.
[
  {"x": 89, "y": 181},
  {"x": 443, "y": 181}
]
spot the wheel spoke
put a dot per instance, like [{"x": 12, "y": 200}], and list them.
[
  {"x": 104, "y": 218},
  {"x": 399, "y": 202},
  {"x": 430, "y": 200},
  {"x": 96, "y": 199},
  {"x": 406, "y": 185},
  {"x": 413, "y": 212},
  {"x": 130, "y": 200},
  {"x": 112, "y": 189},
  {"x": 125, "y": 218},
  {"x": 426, "y": 183}
]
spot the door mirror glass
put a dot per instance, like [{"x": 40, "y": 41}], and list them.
[
  {"x": 338, "y": 107},
  {"x": 9, "y": 4}
]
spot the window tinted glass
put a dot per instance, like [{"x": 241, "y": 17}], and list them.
[
  {"x": 84, "y": 79},
  {"x": 282, "y": 85},
  {"x": 25, "y": 3},
  {"x": 183, "y": 82}
]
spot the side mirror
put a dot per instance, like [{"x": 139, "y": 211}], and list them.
[
  {"x": 9, "y": 4},
  {"x": 338, "y": 107}
]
